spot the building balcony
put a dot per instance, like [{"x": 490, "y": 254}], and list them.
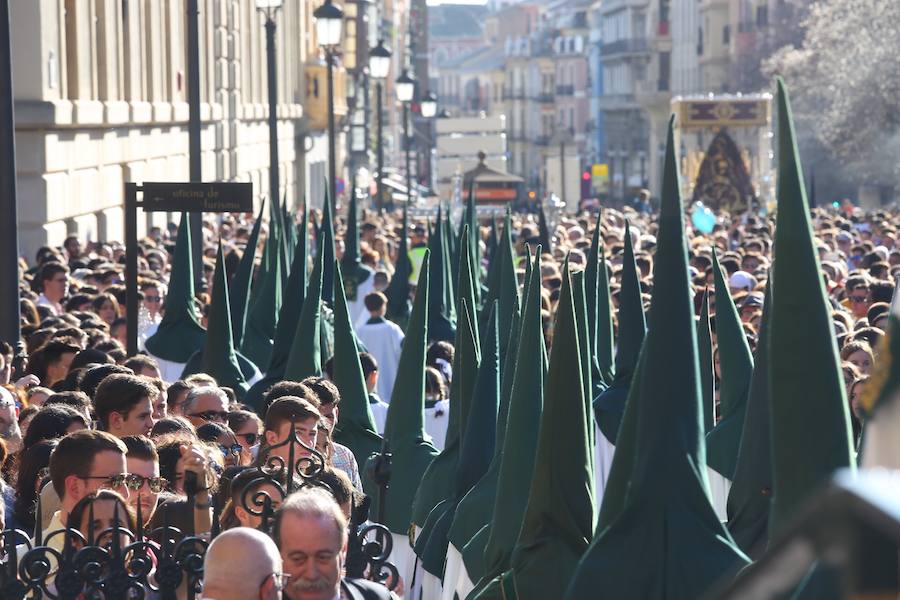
[
  {"x": 542, "y": 140},
  {"x": 544, "y": 98},
  {"x": 316, "y": 105},
  {"x": 653, "y": 95},
  {"x": 626, "y": 46},
  {"x": 565, "y": 90},
  {"x": 613, "y": 102}
]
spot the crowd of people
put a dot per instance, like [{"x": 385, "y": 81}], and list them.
[{"x": 92, "y": 437}]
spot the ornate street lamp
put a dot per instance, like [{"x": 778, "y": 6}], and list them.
[
  {"x": 406, "y": 89},
  {"x": 379, "y": 66},
  {"x": 329, "y": 30},
  {"x": 268, "y": 8}
]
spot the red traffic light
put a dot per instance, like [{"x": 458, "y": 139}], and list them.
[{"x": 586, "y": 176}]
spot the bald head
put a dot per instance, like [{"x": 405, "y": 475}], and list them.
[{"x": 239, "y": 564}]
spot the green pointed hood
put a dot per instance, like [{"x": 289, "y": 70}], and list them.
[
  {"x": 218, "y": 357},
  {"x": 584, "y": 340},
  {"x": 519, "y": 443},
  {"x": 356, "y": 426},
  {"x": 707, "y": 370},
  {"x": 398, "y": 289},
  {"x": 452, "y": 260},
  {"x": 295, "y": 289},
  {"x": 544, "y": 230},
  {"x": 263, "y": 317},
  {"x": 599, "y": 313},
  {"x": 471, "y": 219},
  {"x": 810, "y": 421},
  {"x": 441, "y": 326},
  {"x": 503, "y": 286},
  {"x": 353, "y": 271},
  {"x": 240, "y": 285},
  {"x": 283, "y": 237},
  {"x": 619, "y": 480},
  {"x": 736, "y": 363},
  {"x": 438, "y": 481},
  {"x": 290, "y": 231},
  {"x": 305, "y": 357},
  {"x": 667, "y": 520},
  {"x": 477, "y": 452},
  {"x": 559, "y": 519},
  {"x": 179, "y": 334},
  {"x": 477, "y": 448},
  {"x": 469, "y": 531},
  {"x": 325, "y": 241},
  {"x": 750, "y": 497},
  {"x": 609, "y": 406},
  {"x": 404, "y": 429},
  {"x": 477, "y": 507},
  {"x": 451, "y": 270}
]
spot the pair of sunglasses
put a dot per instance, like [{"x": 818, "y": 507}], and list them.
[
  {"x": 211, "y": 415},
  {"x": 234, "y": 449},
  {"x": 136, "y": 482},
  {"x": 110, "y": 481}
]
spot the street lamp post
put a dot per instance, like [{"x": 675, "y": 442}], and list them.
[
  {"x": 406, "y": 89},
  {"x": 379, "y": 66},
  {"x": 329, "y": 27},
  {"x": 268, "y": 8},
  {"x": 9, "y": 298},
  {"x": 194, "y": 143},
  {"x": 428, "y": 110}
]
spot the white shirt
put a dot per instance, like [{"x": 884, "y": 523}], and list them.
[
  {"x": 379, "y": 410},
  {"x": 383, "y": 340},
  {"x": 55, "y": 307},
  {"x": 436, "y": 419}
]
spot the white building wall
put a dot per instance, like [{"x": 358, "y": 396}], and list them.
[
  {"x": 101, "y": 99},
  {"x": 686, "y": 74}
]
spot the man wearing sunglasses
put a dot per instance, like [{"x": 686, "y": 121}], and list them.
[
  {"x": 206, "y": 404},
  {"x": 143, "y": 482},
  {"x": 84, "y": 462}
]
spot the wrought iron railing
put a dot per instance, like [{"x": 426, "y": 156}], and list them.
[{"x": 165, "y": 562}]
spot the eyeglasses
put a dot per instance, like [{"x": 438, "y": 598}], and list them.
[
  {"x": 136, "y": 482},
  {"x": 859, "y": 299},
  {"x": 278, "y": 579},
  {"x": 250, "y": 438},
  {"x": 234, "y": 449},
  {"x": 110, "y": 481},
  {"x": 218, "y": 416},
  {"x": 152, "y": 298}
]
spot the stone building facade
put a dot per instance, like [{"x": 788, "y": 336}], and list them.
[{"x": 101, "y": 99}]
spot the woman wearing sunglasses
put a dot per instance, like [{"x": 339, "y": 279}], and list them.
[
  {"x": 221, "y": 437},
  {"x": 247, "y": 428}
]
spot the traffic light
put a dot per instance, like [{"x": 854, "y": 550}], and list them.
[{"x": 586, "y": 183}]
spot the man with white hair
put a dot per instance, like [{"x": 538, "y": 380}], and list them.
[
  {"x": 242, "y": 564},
  {"x": 206, "y": 404},
  {"x": 311, "y": 531}
]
